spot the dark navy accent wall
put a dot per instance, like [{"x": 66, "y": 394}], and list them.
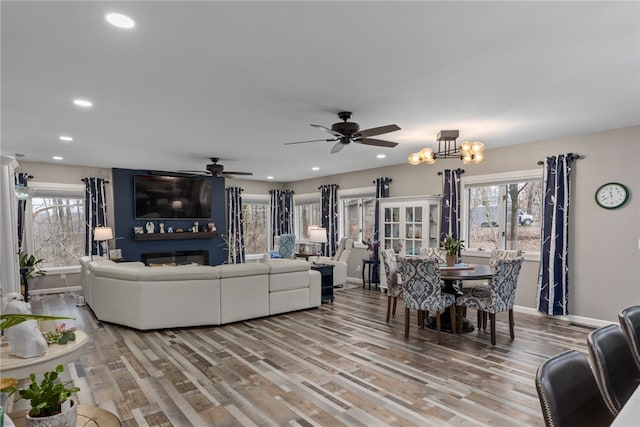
[{"x": 124, "y": 212}]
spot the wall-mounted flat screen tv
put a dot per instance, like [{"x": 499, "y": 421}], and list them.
[{"x": 171, "y": 197}]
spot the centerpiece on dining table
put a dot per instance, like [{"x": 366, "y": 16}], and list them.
[{"x": 452, "y": 248}]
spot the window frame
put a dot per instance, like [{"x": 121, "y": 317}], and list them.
[
  {"x": 304, "y": 199},
  {"x": 350, "y": 194},
  {"x": 501, "y": 179}
]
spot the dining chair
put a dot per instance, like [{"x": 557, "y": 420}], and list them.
[
  {"x": 394, "y": 287},
  {"x": 500, "y": 296},
  {"x": 479, "y": 288},
  {"x": 616, "y": 371},
  {"x": 630, "y": 323},
  {"x": 441, "y": 256},
  {"x": 569, "y": 394},
  {"x": 422, "y": 291}
]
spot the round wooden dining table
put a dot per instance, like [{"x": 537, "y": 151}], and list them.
[{"x": 450, "y": 275}]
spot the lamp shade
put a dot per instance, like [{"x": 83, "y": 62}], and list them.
[
  {"x": 102, "y": 233},
  {"x": 318, "y": 235}
]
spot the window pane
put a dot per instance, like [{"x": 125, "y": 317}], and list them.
[
  {"x": 351, "y": 217},
  {"x": 58, "y": 230},
  {"x": 306, "y": 215},
  {"x": 368, "y": 218},
  {"x": 255, "y": 217},
  {"x": 484, "y": 232},
  {"x": 524, "y": 211}
]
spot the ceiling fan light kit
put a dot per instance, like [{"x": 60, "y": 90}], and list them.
[
  {"x": 468, "y": 152},
  {"x": 346, "y": 132}
]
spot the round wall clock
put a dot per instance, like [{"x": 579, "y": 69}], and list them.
[{"x": 612, "y": 195}]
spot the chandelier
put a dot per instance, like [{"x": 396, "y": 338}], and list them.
[{"x": 468, "y": 152}]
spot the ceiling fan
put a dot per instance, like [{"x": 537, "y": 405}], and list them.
[
  {"x": 346, "y": 132},
  {"x": 216, "y": 169}
]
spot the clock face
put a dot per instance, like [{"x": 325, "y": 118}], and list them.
[{"x": 612, "y": 195}]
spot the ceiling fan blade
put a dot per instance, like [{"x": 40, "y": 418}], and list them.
[
  {"x": 376, "y": 131},
  {"x": 331, "y": 131},
  {"x": 311, "y": 140},
  {"x": 339, "y": 146},
  {"x": 236, "y": 173},
  {"x": 376, "y": 142}
]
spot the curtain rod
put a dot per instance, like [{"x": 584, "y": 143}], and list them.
[
  {"x": 85, "y": 180},
  {"x": 390, "y": 180},
  {"x": 574, "y": 156},
  {"x": 441, "y": 172}
]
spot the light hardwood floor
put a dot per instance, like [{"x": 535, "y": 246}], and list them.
[{"x": 340, "y": 364}]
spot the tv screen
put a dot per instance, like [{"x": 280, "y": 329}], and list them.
[{"x": 170, "y": 197}]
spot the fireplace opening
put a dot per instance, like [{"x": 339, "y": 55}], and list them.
[{"x": 176, "y": 258}]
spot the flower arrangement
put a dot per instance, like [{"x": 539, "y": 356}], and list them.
[
  {"x": 372, "y": 245},
  {"x": 61, "y": 335}
]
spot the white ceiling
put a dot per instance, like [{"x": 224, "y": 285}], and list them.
[{"x": 237, "y": 80}]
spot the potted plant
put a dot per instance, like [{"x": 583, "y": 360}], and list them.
[
  {"x": 50, "y": 400},
  {"x": 452, "y": 248}
]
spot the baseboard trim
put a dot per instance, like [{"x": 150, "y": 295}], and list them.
[
  {"x": 55, "y": 290},
  {"x": 578, "y": 320}
]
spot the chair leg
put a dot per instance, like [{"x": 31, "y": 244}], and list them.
[
  {"x": 406, "y": 322},
  {"x": 511, "y": 324},
  {"x": 492, "y": 319},
  {"x": 459, "y": 319},
  {"x": 420, "y": 319},
  {"x": 393, "y": 310},
  {"x": 389, "y": 307},
  {"x": 452, "y": 315},
  {"x": 479, "y": 319},
  {"x": 438, "y": 325},
  {"x": 484, "y": 320}
]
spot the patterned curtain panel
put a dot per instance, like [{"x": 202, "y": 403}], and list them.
[
  {"x": 450, "y": 216},
  {"x": 553, "y": 281},
  {"x": 281, "y": 212},
  {"x": 21, "y": 180},
  {"x": 329, "y": 202},
  {"x": 235, "y": 231},
  {"x": 95, "y": 213},
  {"x": 382, "y": 192}
]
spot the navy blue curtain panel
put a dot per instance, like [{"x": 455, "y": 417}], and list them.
[
  {"x": 553, "y": 281},
  {"x": 281, "y": 207},
  {"x": 22, "y": 180},
  {"x": 235, "y": 231},
  {"x": 95, "y": 213},
  {"x": 382, "y": 192},
  {"x": 329, "y": 202},
  {"x": 450, "y": 215}
]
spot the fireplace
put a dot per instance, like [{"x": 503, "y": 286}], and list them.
[{"x": 176, "y": 257}]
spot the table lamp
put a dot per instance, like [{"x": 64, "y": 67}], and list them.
[
  {"x": 102, "y": 234},
  {"x": 318, "y": 236}
]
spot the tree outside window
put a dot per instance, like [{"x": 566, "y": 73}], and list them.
[
  {"x": 358, "y": 216},
  {"x": 255, "y": 217},
  {"x": 307, "y": 214},
  {"x": 58, "y": 230}
]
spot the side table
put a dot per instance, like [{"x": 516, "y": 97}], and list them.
[
  {"x": 326, "y": 271},
  {"x": 373, "y": 268}
]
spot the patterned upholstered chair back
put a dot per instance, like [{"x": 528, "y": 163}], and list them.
[
  {"x": 436, "y": 253},
  {"x": 394, "y": 287},
  {"x": 287, "y": 247},
  {"x": 421, "y": 284},
  {"x": 501, "y": 253},
  {"x": 504, "y": 283}
]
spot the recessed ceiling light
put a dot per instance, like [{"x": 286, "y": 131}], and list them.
[
  {"x": 57, "y": 157},
  {"x": 119, "y": 20},
  {"x": 269, "y": 177},
  {"x": 66, "y": 138},
  {"x": 381, "y": 156},
  {"x": 315, "y": 168},
  {"x": 83, "y": 103}
]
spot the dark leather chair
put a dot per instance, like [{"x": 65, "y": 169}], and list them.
[
  {"x": 569, "y": 394},
  {"x": 630, "y": 323},
  {"x": 614, "y": 366}
]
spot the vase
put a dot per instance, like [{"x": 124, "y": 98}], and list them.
[
  {"x": 64, "y": 419},
  {"x": 451, "y": 260}
]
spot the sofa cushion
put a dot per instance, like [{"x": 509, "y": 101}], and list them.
[
  {"x": 143, "y": 273},
  {"x": 287, "y": 266},
  {"x": 240, "y": 270}
]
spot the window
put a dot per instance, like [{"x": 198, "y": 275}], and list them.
[
  {"x": 307, "y": 212},
  {"x": 57, "y": 222},
  {"x": 503, "y": 211},
  {"x": 255, "y": 217},
  {"x": 358, "y": 213}
]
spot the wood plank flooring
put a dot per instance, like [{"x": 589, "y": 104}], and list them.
[{"x": 339, "y": 365}]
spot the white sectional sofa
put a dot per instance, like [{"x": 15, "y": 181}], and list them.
[{"x": 141, "y": 297}]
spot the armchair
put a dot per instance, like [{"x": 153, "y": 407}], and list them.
[
  {"x": 284, "y": 246},
  {"x": 339, "y": 261}
]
